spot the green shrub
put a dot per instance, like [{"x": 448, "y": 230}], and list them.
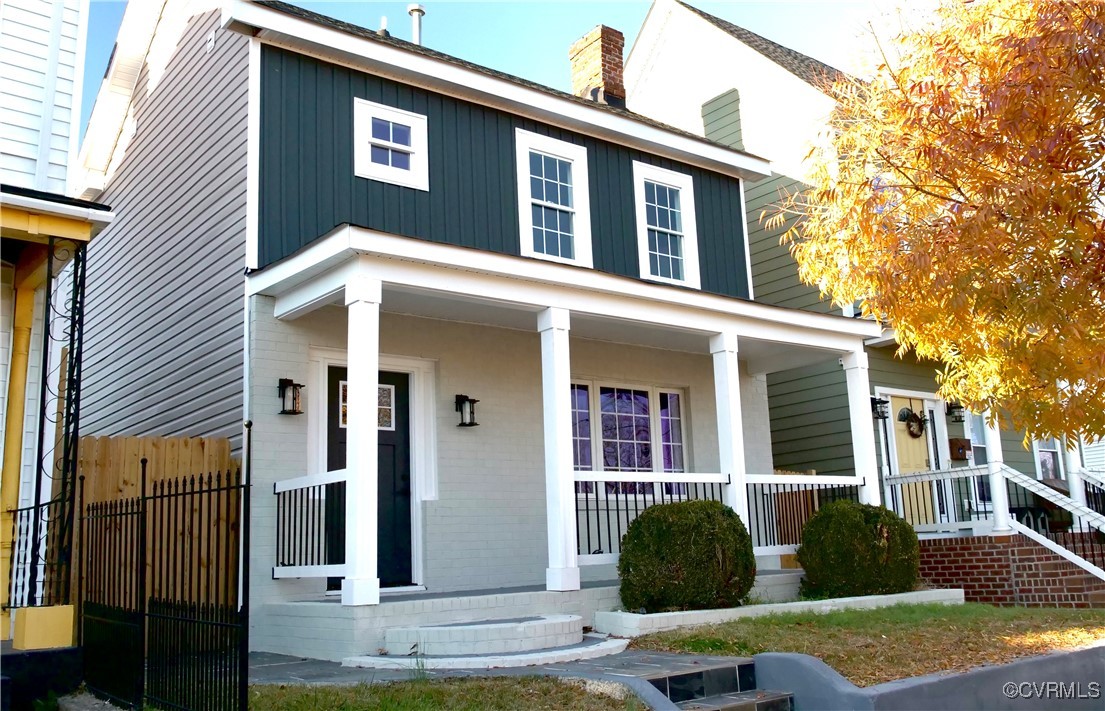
[
  {"x": 692, "y": 555},
  {"x": 854, "y": 549}
]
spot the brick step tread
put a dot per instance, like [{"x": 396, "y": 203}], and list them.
[{"x": 755, "y": 700}]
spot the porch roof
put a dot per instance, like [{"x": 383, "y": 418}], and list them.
[{"x": 459, "y": 284}]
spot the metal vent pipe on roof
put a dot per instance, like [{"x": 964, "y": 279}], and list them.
[{"x": 416, "y": 12}]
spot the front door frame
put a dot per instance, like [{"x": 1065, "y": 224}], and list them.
[
  {"x": 889, "y": 444},
  {"x": 423, "y": 425}
]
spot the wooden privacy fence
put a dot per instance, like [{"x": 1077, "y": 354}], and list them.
[
  {"x": 191, "y": 505},
  {"x": 112, "y": 466}
]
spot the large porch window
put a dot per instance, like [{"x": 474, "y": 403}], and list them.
[{"x": 622, "y": 428}]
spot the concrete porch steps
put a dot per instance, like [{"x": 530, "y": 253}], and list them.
[
  {"x": 591, "y": 646},
  {"x": 720, "y": 684},
  {"x": 742, "y": 701},
  {"x": 485, "y": 637}
]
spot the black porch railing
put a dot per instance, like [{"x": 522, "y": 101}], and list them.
[
  {"x": 778, "y": 511},
  {"x": 604, "y": 509},
  {"x": 41, "y": 556},
  {"x": 1055, "y": 517}
]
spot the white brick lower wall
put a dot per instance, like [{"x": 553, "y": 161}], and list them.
[{"x": 486, "y": 528}]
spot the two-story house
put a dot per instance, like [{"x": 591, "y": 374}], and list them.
[
  {"x": 482, "y": 323},
  {"x": 774, "y": 101},
  {"x": 43, "y": 234}
]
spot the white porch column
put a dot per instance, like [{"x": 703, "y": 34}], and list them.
[
  {"x": 1074, "y": 479},
  {"x": 361, "y": 585},
  {"x": 730, "y": 425},
  {"x": 560, "y": 490},
  {"x": 863, "y": 430},
  {"x": 999, "y": 493}
]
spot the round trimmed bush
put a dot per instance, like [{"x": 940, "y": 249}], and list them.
[
  {"x": 691, "y": 555},
  {"x": 853, "y": 549}
]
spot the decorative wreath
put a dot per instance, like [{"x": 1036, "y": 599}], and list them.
[{"x": 915, "y": 425}]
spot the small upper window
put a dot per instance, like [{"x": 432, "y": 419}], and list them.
[
  {"x": 667, "y": 238},
  {"x": 390, "y": 145},
  {"x": 1048, "y": 462},
  {"x": 554, "y": 215}
]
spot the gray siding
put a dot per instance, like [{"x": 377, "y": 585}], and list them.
[
  {"x": 308, "y": 186},
  {"x": 164, "y": 323}
]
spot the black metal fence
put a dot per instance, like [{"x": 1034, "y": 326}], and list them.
[{"x": 165, "y": 615}]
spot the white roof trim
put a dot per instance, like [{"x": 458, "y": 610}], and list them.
[
  {"x": 88, "y": 175},
  {"x": 760, "y": 320},
  {"x": 296, "y": 34},
  {"x": 98, "y": 218}
]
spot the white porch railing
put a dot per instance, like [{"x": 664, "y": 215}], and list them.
[
  {"x": 958, "y": 501},
  {"x": 310, "y": 526}
]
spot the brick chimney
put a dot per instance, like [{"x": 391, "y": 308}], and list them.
[{"x": 597, "y": 66}]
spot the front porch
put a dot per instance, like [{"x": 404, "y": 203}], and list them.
[{"x": 596, "y": 400}]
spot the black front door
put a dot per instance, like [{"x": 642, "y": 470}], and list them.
[{"x": 394, "y": 460}]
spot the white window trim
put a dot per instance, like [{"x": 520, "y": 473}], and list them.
[
  {"x": 418, "y": 177},
  {"x": 1061, "y": 472},
  {"x": 685, "y": 184},
  {"x": 655, "y": 442},
  {"x": 524, "y": 142}
]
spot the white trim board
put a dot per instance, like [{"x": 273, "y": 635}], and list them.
[
  {"x": 412, "y": 67},
  {"x": 536, "y": 283}
]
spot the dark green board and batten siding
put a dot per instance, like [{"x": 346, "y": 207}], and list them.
[{"x": 307, "y": 184}]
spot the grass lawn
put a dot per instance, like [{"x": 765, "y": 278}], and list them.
[
  {"x": 503, "y": 693},
  {"x": 872, "y": 646}
]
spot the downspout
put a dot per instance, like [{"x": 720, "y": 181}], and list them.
[{"x": 13, "y": 442}]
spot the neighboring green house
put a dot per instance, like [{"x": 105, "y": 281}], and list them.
[{"x": 765, "y": 98}]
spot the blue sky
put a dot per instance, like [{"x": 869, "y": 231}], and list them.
[{"x": 531, "y": 38}]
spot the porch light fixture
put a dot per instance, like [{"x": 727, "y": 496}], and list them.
[
  {"x": 291, "y": 397},
  {"x": 466, "y": 406},
  {"x": 879, "y": 408},
  {"x": 955, "y": 411}
]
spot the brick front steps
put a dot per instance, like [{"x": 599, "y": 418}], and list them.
[{"x": 1008, "y": 570}]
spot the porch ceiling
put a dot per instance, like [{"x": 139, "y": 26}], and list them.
[{"x": 760, "y": 356}]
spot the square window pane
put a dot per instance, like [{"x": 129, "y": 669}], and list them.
[
  {"x": 536, "y": 188},
  {"x": 610, "y": 455},
  {"x": 566, "y": 195},
  {"x": 644, "y": 456},
  {"x": 609, "y": 427},
  {"x": 675, "y": 245},
  {"x": 566, "y": 249},
  {"x": 550, "y": 167},
  {"x": 625, "y": 427},
  {"x": 381, "y": 129},
  {"x": 650, "y": 192},
  {"x": 565, "y": 173},
  {"x": 401, "y": 160},
  {"x": 400, "y": 134},
  {"x": 676, "y": 221},
  {"x": 662, "y": 220},
  {"x": 673, "y": 198},
  {"x": 650, "y": 215},
  {"x": 381, "y": 156},
  {"x": 661, "y": 196},
  {"x": 552, "y": 191},
  {"x": 665, "y": 268},
  {"x": 677, "y": 269},
  {"x": 653, "y": 264},
  {"x": 535, "y": 164},
  {"x": 627, "y": 456},
  {"x": 538, "y": 240}
]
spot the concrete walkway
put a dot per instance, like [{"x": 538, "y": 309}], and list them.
[{"x": 632, "y": 668}]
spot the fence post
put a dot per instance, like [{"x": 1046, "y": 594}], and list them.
[
  {"x": 78, "y": 560},
  {"x": 243, "y": 574},
  {"x": 142, "y": 603}
]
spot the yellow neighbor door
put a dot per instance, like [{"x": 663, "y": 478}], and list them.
[{"x": 912, "y": 456}]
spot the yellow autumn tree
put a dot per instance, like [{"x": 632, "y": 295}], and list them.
[{"x": 959, "y": 197}]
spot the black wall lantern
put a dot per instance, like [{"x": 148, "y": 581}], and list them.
[
  {"x": 955, "y": 411},
  {"x": 879, "y": 408},
  {"x": 466, "y": 406},
  {"x": 291, "y": 397}
]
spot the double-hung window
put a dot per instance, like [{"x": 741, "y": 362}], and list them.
[
  {"x": 390, "y": 145},
  {"x": 667, "y": 236},
  {"x": 1048, "y": 464},
  {"x": 976, "y": 431},
  {"x": 553, "y": 210},
  {"x": 628, "y": 429}
]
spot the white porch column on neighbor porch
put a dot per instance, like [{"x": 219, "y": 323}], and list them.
[
  {"x": 1073, "y": 462},
  {"x": 999, "y": 493},
  {"x": 560, "y": 490},
  {"x": 361, "y": 585},
  {"x": 863, "y": 430},
  {"x": 730, "y": 426}
]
